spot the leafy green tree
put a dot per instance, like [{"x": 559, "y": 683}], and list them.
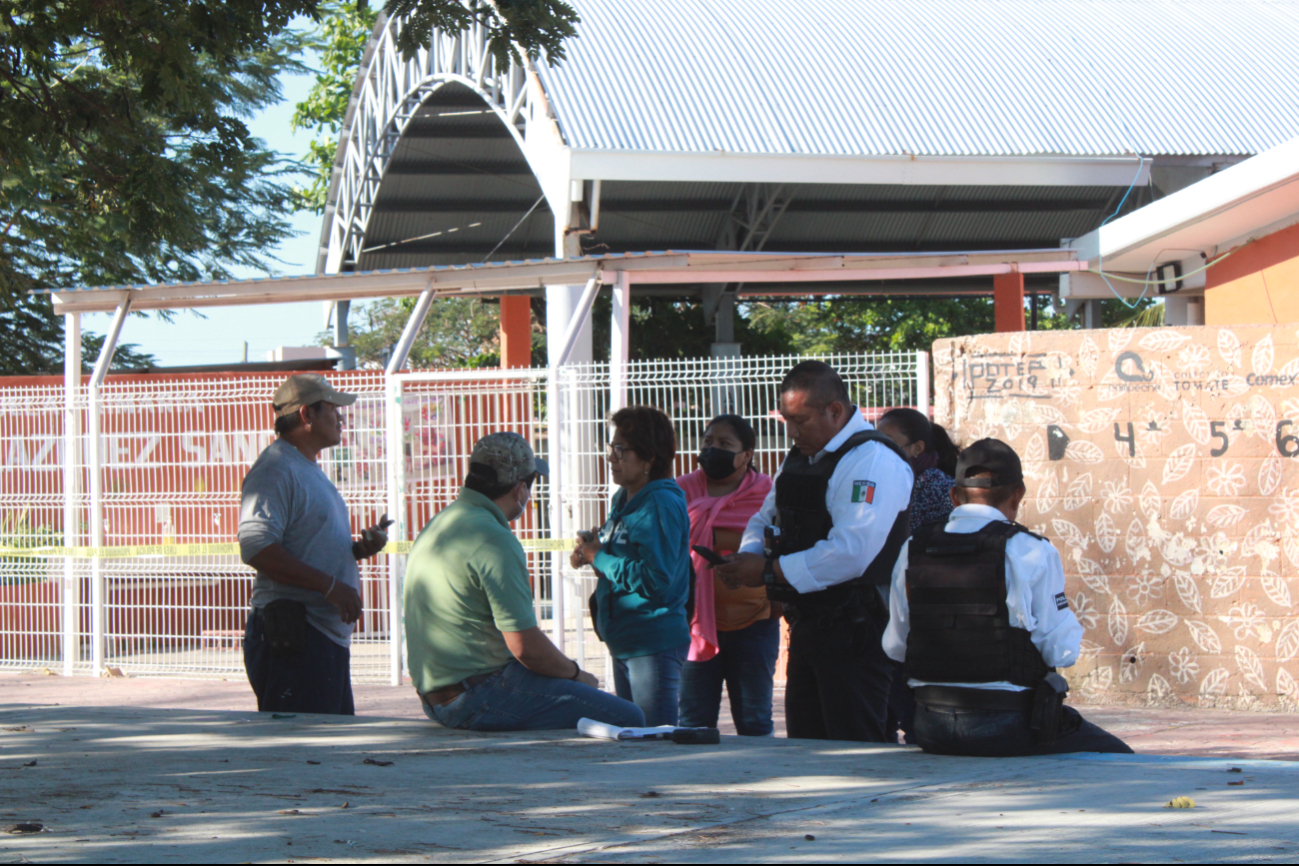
[
  {"x": 124, "y": 153},
  {"x": 538, "y": 27},
  {"x": 124, "y": 156},
  {"x": 459, "y": 332},
  {"x": 126, "y": 356},
  {"x": 340, "y": 41}
]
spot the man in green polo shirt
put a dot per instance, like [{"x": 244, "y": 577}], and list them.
[{"x": 477, "y": 657}]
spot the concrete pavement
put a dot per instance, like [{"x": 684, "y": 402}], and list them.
[
  {"x": 147, "y": 785},
  {"x": 1172, "y": 731}
]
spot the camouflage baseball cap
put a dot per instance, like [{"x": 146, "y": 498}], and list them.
[
  {"x": 304, "y": 389},
  {"x": 508, "y": 455}
]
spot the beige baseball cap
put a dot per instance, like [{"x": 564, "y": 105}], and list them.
[
  {"x": 304, "y": 389},
  {"x": 509, "y": 456}
]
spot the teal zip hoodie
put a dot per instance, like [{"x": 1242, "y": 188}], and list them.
[{"x": 645, "y": 568}]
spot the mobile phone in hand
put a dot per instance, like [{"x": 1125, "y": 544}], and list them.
[{"x": 712, "y": 557}]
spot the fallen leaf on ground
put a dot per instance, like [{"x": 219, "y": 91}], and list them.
[
  {"x": 650, "y": 794},
  {"x": 290, "y": 812},
  {"x": 20, "y": 729},
  {"x": 1235, "y": 770},
  {"x": 346, "y": 803},
  {"x": 27, "y": 827},
  {"x": 1180, "y": 803},
  {"x": 30, "y": 764},
  {"x": 1241, "y": 782},
  {"x": 314, "y": 763},
  {"x": 112, "y": 672},
  {"x": 809, "y": 837},
  {"x": 157, "y": 814},
  {"x": 375, "y": 763}
]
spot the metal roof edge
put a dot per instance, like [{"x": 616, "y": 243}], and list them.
[{"x": 1220, "y": 193}]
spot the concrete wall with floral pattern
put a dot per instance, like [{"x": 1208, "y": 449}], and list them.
[{"x": 1164, "y": 465}]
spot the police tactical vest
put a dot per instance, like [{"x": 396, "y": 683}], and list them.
[
  {"x": 960, "y": 626},
  {"x": 804, "y": 519}
]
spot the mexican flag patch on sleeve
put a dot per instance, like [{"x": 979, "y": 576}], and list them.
[{"x": 863, "y": 491}]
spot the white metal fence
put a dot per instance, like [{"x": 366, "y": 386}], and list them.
[{"x": 173, "y": 453}]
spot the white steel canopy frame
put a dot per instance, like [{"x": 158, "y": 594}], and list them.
[{"x": 388, "y": 95}]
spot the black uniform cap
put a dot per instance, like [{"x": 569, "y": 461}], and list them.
[{"x": 989, "y": 456}]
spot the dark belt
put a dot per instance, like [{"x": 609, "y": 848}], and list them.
[
  {"x": 956, "y": 698},
  {"x": 447, "y": 694}
]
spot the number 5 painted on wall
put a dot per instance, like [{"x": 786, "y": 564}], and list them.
[{"x": 1217, "y": 432}]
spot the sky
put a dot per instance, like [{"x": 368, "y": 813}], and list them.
[{"x": 219, "y": 338}]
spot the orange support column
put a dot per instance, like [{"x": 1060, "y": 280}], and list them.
[
  {"x": 516, "y": 331},
  {"x": 1008, "y": 301}
]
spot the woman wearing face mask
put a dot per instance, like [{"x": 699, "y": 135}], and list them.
[
  {"x": 735, "y": 633},
  {"x": 933, "y": 463},
  {"x": 641, "y": 556}
]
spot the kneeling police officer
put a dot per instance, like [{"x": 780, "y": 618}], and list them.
[
  {"x": 979, "y": 614},
  {"x": 840, "y": 505}
]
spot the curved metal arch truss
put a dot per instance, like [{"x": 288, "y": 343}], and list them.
[{"x": 389, "y": 95}]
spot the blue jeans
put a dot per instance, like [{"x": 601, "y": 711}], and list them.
[
  {"x": 317, "y": 680},
  {"x": 653, "y": 683},
  {"x": 516, "y": 699},
  {"x": 746, "y": 663}
]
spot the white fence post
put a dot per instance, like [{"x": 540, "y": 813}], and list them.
[
  {"x": 620, "y": 342},
  {"x": 922, "y": 381},
  {"x": 394, "y": 451},
  {"x": 71, "y": 489},
  {"x": 555, "y": 457}
]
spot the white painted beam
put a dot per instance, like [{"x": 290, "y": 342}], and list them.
[{"x": 717, "y": 167}]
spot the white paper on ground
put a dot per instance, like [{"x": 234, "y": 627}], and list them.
[{"x": 604, "y": 731}]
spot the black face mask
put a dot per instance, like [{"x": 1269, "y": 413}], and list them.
[{"x": 717, "y": 463}]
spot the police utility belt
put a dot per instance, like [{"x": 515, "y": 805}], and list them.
[
  {"x": 803, "y": 519},
  {"x": 961, "y": 632}
]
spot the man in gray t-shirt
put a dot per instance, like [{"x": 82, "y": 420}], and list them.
[{"x": 294, "y": 529}]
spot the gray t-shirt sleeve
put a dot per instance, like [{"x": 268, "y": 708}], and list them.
[{"x": 265, "y": 509}]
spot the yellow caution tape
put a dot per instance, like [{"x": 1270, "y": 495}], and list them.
[{"x": 224, "y": 548}]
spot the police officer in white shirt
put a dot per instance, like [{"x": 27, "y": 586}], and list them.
[
  {"x": 979, "y": 613},
  {"x": 840, "y": 503}
]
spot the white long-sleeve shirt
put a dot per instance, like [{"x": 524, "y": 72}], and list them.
[
  {"x": 1035, "y": 597},
  {"x": 870, "y": 486}
]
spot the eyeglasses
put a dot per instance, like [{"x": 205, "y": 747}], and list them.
[{"x": 615, "y": 452}]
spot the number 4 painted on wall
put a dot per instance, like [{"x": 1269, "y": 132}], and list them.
[{"x": 1131, "y": 438}]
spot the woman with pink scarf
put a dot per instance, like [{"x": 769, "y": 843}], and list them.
[{"x": 735, "y": 633}]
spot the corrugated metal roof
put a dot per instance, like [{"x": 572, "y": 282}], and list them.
[{"x": 931, "y": 77}]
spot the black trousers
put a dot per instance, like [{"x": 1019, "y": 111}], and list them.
[
  {"x": 317, "y": 680},
  {"x": 1005, "y": 734},
  {"x": 837, "y": 680}
]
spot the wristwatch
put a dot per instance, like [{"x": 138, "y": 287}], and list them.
[{"x": 769, "y": 572}]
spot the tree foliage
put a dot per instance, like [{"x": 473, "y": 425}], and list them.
[
  {"x": 537, "y": 27},
  {"x": 124, "y": 156},
  {"x": 459, "y": 332},
  {"x": 339, "y": 41},
  {"x": 124, "y": 153}
]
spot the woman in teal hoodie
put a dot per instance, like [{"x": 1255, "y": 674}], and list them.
[{"x": 642, "y": 558}]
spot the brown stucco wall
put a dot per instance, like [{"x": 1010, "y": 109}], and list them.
[{"x": 1154, "y": 461}]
